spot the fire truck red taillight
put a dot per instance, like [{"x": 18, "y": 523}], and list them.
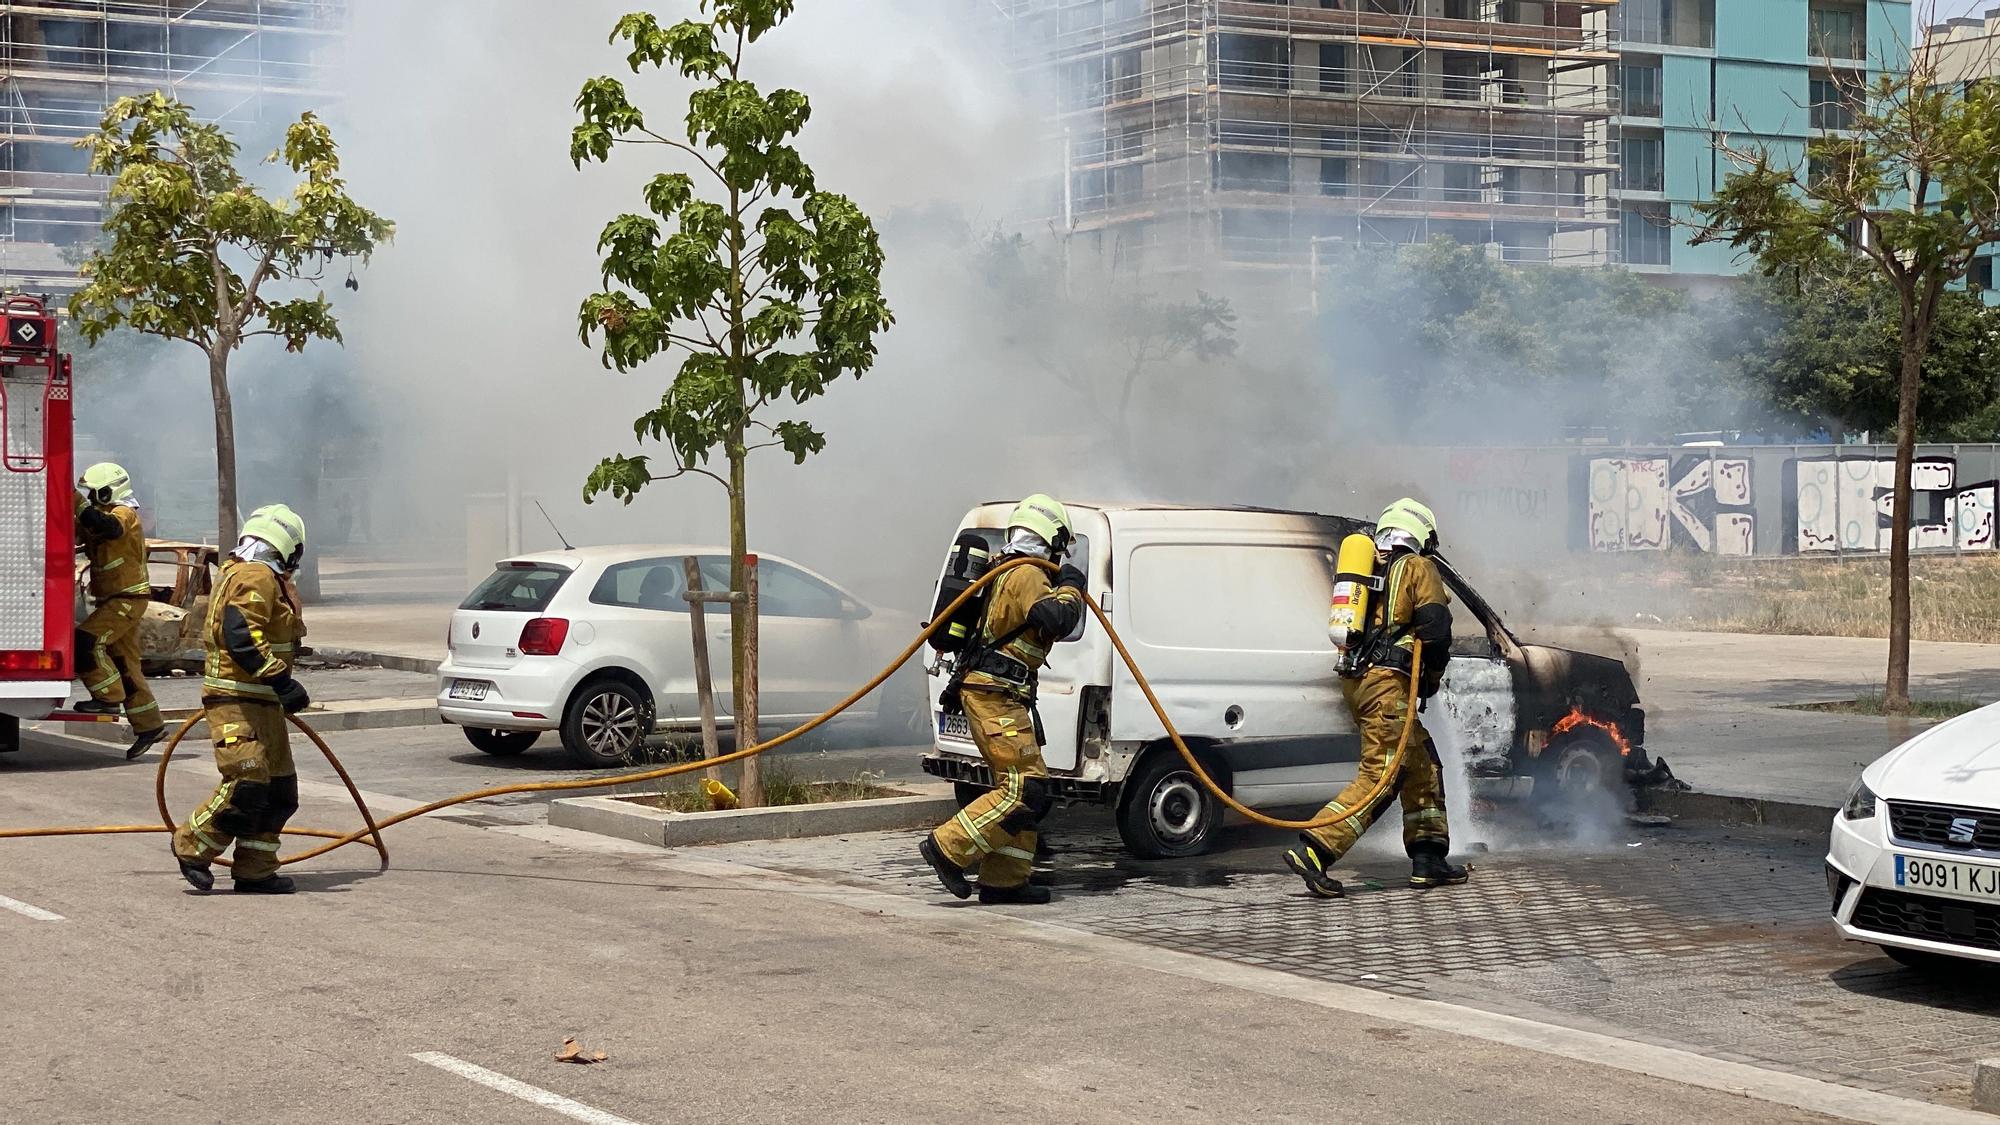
[{"x": 31, "y": 661}]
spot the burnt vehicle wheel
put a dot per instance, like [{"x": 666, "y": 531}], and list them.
[
  {"x": 606, "y": 724},
  {"x": 965, "y": 792},
  {"x": 1578, "y": 766},
  {"x": 1165, "y": 813},
  {"x": 501, "y": 743}
]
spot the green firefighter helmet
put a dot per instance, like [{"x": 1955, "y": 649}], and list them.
[
  {"x": 105, "y": 484},
  {"x": 1406, "y": 524},
  {"x": 1045, "y": 516},
  {"x": 282, "y": 528}
]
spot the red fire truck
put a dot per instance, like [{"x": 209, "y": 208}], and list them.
[{"x": 37, "y": 511}]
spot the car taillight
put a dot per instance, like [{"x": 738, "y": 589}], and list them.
[
  {"x": 35, "y": 660},
  {"x": 544, "y": 636}
]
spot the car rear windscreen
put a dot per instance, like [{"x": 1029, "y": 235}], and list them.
[{"x": 520, "y": 587}]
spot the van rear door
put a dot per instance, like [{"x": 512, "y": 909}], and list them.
[{"x": 1226, "y": 614}]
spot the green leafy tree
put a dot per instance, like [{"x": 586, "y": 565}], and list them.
[
  {"x": 196, "y": 253},
  {"x": 769, "y": 292},
  {"x": 1912, "y": 191}
]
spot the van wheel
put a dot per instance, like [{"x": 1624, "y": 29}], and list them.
[
  {"x": 606, "y": 724},
  {"x": 501, "y": 743},
  {"x": 1165, "y": 813},
  {"x": 1578, "y": 770}
]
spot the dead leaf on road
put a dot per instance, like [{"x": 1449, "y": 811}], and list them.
[{"x": 573, "y": 1052}]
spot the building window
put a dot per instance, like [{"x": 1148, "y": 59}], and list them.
[
  {"x": 1981, "y": 276},
  {"x": 1836, "y": 31},
  {"x": 1831, "y": 98},
  {"x": 1642, "y": 163},
  {"x": 1335, "y": 176},
  {"x": 1639, "y": 85},
  {"x": 1253, "y": 62},
  {"x": 1253, "y": 171},
  {"x": 1677, "y": 23},
  {"x": 1645, "y": 236},
  {"x": 1462, "y": 76},
  {"x": 1334, "y": 75}
]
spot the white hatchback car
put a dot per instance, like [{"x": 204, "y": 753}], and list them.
[
  {"x": 1914, "y": 863},
  {"x": 596, "y": 643}
]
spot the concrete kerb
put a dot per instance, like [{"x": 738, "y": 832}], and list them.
[
  {"x": 625, "y": 820},
  {"x": 339, "y": 715},
  {"x": 1724, "y": 808},
  {"x": 393, "y": 662}
]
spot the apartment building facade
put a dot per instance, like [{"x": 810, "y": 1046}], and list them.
[
  {"x": 1265, "y": 135},
  {"x": 1965, "y": 51},
  {"x": 249, "y": 64}
]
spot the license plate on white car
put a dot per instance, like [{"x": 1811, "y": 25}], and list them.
[
  {"x": 954, "y": 726},
  {"x": 474, "y": 690},
  {"x": 1962, "y": 880}
]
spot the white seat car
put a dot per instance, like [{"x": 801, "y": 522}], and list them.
[
  {"x": 596, "y": 643},
  {"x": 1914, "y": 863}
]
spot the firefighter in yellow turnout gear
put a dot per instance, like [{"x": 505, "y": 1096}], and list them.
[
  {"x": 1413, "y": 605},
  {"x": 110, "y": 535},
  {"x": 252, "y": 635},
  {"x": 1026, "y": 614}
]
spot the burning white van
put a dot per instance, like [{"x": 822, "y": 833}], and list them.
[{"x": 1225, "y": 610}]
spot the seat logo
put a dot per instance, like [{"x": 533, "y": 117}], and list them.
[{"x": 1963, "y": 829}]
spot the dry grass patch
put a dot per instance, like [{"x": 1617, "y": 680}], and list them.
[{"x": 782, "y": 786}]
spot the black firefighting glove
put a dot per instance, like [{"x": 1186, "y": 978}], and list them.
[
  {"x": 291, "y": 693},
  {"x": 1072, "y": 577}
]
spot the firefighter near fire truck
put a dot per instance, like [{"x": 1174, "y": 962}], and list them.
[
  {"x": 110, "y": 535},
  {"x": 251, "y": 639},
  {"x": 1388, "y": 600},
  {"x": 1024, "y": 614}
]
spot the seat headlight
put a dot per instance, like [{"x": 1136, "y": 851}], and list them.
[{"x": 1860, "y": 802}]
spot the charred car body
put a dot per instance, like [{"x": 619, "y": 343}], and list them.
[{"x": 1225, "y": 610}]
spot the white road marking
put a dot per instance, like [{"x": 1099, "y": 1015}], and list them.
[
  {"x": 534, "y": 1094},
  {"x": 27, "y": 910}
]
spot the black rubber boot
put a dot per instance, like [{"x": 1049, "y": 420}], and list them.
[
  {"x": 1312, "y": 863},
  {"x": 1430, "y": 868},
  {"x": 269, "y": 885},
  {"x": 1027, "y": 894},
  {"x": 948, "y": 873},
  {"x": 93, "y": 707},
  {"x": 198, "y": 875},
  {"x": 143, "y": 741},
  {"x": 1044, "y": 851}
]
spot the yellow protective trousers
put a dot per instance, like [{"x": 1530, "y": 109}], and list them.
[
  {"x": 997, "y": 832},
  {"x": 110, "y": 671},
  {"x": 1379, "y": 701},
  {"x": 258, "y": 794}
]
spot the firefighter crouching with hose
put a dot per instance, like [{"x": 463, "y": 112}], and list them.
[
  {"x": 110, "y": 535},
  {"x": 1024, "y": 615},
  {"x": 251, "y": 639},
  {"x": 1410, "y": 602}
]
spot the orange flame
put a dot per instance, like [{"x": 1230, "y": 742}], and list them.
[{"x": 1577, "y": 718}]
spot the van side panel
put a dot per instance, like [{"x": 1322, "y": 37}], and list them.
[{"x": 1226, "y": 614}]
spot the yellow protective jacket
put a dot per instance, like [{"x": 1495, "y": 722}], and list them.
[
  {"x": 115, "y": 543},
  {"x": 1413, "y": 606},
  {"x": 1023, "y": 600},
  {"x": 252, "y": 633}
]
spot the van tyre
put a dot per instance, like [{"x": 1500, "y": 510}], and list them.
[
  {"x": 501, "y": 743},
  {"x": 1578, "y": 770},
  {"x": 606, "y": 724},
  {"x": 1165, "y": 812}
]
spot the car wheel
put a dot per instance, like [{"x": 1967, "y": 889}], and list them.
[
  {"x": 501, "y": 743},
  {"x": 606, "y": 724},
  {"x": 904, "y": 717},
  {"x": 965, "y": 792},
  {"x": 1580, "y": 767},
  {"x": 1165, "y": 812},
  {"x": 1928, "y": 963}
]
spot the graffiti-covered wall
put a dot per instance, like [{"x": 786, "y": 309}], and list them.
[{"x": 1733, "y": 500}]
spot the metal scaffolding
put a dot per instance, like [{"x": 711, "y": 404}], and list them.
[
  {"x": 1258, "y": 135},
  {"x": 244, "y": 63}
]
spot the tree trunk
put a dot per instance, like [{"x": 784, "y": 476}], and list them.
[
  {"x": 743, "y": 635},
  {"x": 1916, "y": 340},
  {"x": 225, "y": 449}
]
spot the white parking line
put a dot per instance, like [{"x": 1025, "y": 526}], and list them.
[
  {"x": 27, "y": 910},
  {"x": 535, "y": 1094}
]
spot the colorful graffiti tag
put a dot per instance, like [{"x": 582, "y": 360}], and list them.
[{"x": 1651, "y": 503}]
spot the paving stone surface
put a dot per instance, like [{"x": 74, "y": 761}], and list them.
[{"x": 1710, "y": 939}]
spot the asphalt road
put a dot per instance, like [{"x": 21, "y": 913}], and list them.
[{"x": 441, "y": 989}]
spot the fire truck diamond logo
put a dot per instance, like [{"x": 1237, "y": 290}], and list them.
[
  {"x": 26, "y": 333},
  {"x": 1963, "y": 829}
]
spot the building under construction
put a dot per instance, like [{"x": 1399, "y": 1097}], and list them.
[
  {"x": 249, "y": 64},
  {"x": 1261, "y": 135}
]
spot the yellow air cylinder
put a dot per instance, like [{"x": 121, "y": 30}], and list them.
[{"x": 1353, "y": 580}]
